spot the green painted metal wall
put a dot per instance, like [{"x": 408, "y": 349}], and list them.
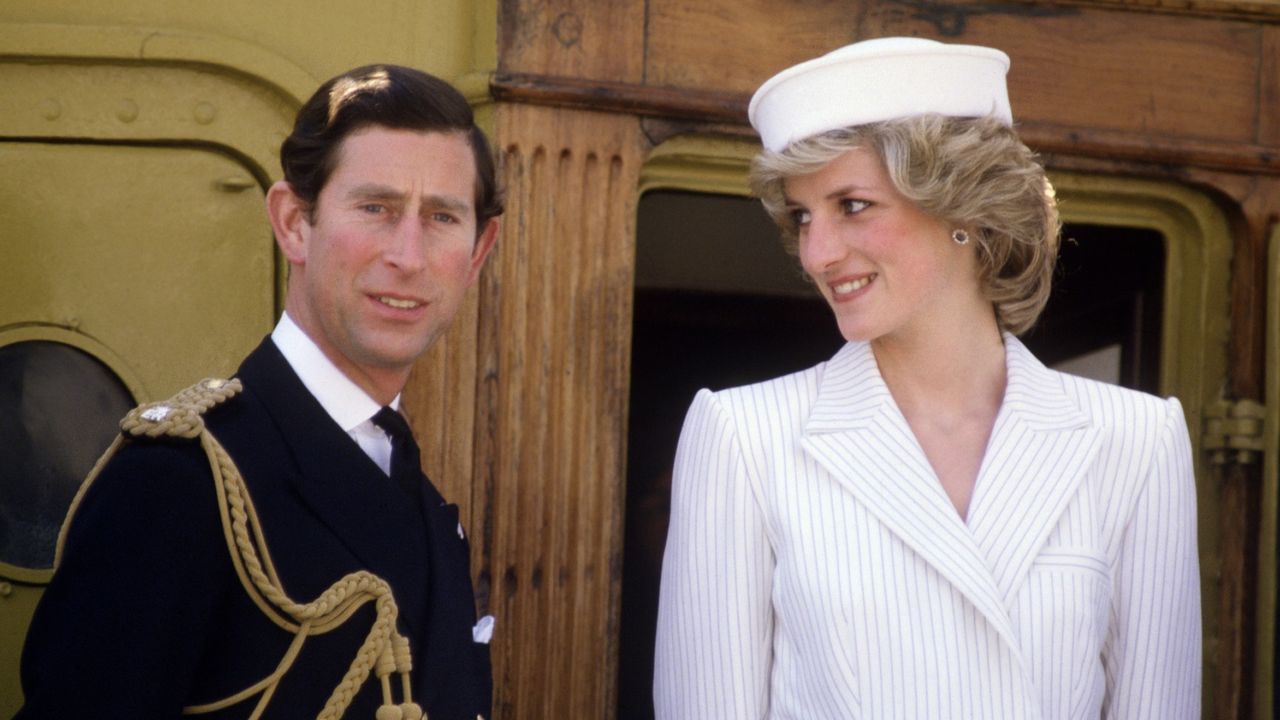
[{"x": 136, "y": 139}]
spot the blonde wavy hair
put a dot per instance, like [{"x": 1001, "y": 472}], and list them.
[{"x": 972, "y": 173}]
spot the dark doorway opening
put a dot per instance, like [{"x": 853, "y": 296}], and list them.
[{"x": 1106, "y": 307}]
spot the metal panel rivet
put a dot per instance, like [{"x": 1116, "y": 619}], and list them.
[
  {"x": 205, "y": 113},
  {"x": 51, "y": 109},
  {"x": 127, "y": 110}
]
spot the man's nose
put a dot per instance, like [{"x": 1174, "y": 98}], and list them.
[{"x": 408, "y": 247}]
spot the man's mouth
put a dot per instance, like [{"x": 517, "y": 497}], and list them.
[{"x": 398, "y": 303}]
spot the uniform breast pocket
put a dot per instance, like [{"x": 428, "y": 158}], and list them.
[{"x": 1062, "y": 615}]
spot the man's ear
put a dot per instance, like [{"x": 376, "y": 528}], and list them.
[
  {"x": 289, "y": 221},
  {"x": 484, "y": 243}
]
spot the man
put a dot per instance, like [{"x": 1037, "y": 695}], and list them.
[{"x": 387, "y": 212}]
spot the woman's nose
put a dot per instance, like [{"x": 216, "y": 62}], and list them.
[{"x": 820, "y": 245}]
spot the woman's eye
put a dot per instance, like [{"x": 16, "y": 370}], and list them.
[
  {"x": 800, "y": 217},
  {"x": 852, "y": 207}
]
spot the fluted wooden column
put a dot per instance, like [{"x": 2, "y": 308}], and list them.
[
  {"x": 440, "y": 402},
  {"x": 554, "y": 352}
]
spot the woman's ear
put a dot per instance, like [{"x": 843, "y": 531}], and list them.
[{"x": 290, "y": 221}]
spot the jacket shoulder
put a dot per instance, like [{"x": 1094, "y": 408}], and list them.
[
  {"x": 1108, "y": 404},
  {"x": 799, "y": 385},
  {"x": 765, "y": 414},
  {"x": 181, "y": 416},
  {"x": 1134, "y": 426},
  {"x": 155, "y": 466}
]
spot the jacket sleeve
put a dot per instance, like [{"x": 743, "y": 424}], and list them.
[
  {"x": 119, "y": 630},
  {"x": 1152, "y": 654},
  {"x": 715, "y": 619}
]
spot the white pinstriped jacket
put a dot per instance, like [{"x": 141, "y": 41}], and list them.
[{"x": 815, "y": 568}]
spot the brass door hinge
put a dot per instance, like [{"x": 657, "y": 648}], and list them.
[{"x": 1233, "y": 432}]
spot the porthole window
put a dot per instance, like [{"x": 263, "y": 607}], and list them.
[{"x": 60, "y": 408}]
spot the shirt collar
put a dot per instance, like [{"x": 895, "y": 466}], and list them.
[{"x": 345, "y": 401}]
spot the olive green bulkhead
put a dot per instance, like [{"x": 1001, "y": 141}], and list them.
[{"x": 136, "y": 143}]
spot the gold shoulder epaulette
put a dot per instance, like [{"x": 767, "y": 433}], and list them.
[{"x": 180, "y": 416}]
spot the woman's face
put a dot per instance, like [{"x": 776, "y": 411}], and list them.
[{"x": 887, "y": 268}]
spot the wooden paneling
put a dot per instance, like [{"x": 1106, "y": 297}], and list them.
[
  {"x": 1180, "y": 89},
  {"x": 1099, "y": 69},
  {"x": 1260, "y": 9},
  {"x": 735, "y": 46},
  {"x": 1149, "y": 74},
  {"x": 439, "y": 401},
  {"x": 555, "y": 325},
  {"x": 575, "y": 38},
  {"x": 1269, "y": 87}
]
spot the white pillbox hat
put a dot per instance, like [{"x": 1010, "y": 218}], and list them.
[{"x": 876, "y": 80}]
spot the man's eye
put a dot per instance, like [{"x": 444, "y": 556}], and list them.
[
  {"x": 853, "y": 207},
  {"x": 374, "y": 208},
  {"x": 800, "y": 217},
  {"x": 443, "y": 217}
]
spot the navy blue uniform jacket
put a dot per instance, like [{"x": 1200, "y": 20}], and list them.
[{"x": 145, "y": 614}]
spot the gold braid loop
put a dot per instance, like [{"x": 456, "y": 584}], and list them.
[
  {"x": 333, "y": 607},
  {"x": 384, "y": 647}
]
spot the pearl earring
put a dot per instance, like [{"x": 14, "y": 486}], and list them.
[{"x": 960, "y": 236}]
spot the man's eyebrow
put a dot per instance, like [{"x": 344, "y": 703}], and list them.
[
  {"x": 373, "y": 191},
  {"x": 446, "y": 202}
]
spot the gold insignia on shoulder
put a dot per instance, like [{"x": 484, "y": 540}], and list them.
[
  {"x": 180, "y": 416},
  {"x": 156, "y": 413}
]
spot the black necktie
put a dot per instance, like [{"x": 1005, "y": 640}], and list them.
[{"x": 406, "y": 466}]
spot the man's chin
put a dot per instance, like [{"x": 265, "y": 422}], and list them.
[{"x": 402, "y": 355}]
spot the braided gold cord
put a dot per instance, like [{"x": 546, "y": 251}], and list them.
[
  {"x": 333, "y": 607},
  {"x": 266, "y": 684},
  {"x": 384, "y": 648},
  {"x": 80, "y": 493},
  {"x": 203, "y": 395}
]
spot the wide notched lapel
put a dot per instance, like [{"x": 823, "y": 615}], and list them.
[
  {"x": 341, "y": 485},
  {"x": 857, "y": 433},
  {"x": 1040, "y": 448}
]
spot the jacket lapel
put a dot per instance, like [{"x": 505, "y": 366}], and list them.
[
  {"x": 446, "y": 644},
  {"x": 341, "y": 485},
  {"x": 858, "y": 434},
  {"x": 1040, "y": 447}
]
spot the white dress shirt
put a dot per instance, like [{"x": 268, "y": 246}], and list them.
[{"x": 349, "y": 406}]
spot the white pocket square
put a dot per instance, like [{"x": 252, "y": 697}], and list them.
[{"x": 483, "y": 630}]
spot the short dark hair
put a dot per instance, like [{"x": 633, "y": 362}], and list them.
[{"x": 390, "y": 96}]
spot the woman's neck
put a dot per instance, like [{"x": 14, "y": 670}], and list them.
[{"x": 951, "y": 372}]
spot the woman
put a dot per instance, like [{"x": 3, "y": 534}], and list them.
[{"x": 931, "y": 524}]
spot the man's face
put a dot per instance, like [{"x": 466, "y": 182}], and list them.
[{"x": 381, "y": 266}]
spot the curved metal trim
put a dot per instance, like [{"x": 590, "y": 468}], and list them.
[{"x": 27, "y": 332}]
